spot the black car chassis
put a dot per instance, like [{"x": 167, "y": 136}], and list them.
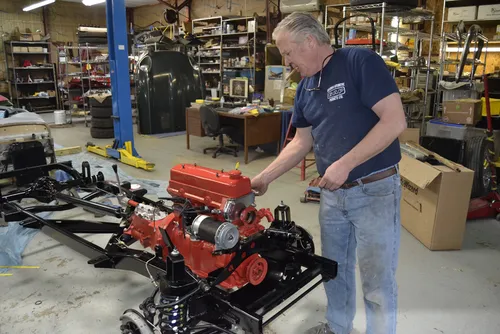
[{"x": 211, "y": 310}]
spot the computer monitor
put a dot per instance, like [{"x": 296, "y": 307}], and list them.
[{"x": 238, "y": 88}]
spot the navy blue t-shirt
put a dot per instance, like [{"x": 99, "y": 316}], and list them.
[{"x": 340, "y": 113}]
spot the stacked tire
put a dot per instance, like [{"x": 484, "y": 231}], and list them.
[{"x": 102, "y": 121}]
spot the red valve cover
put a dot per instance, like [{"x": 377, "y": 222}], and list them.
[{"x": 207, "y": 186}]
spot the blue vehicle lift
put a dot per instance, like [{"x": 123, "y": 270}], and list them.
[{"x": 122, "y": 148}]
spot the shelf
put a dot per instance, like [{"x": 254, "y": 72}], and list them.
[
  {"x": 237, "y": 33},
  {"x": 235, "y": 47},
  {"x": 27, "y": 42},
  {"x": 474, "y": 21},
  {"x": 402, "y": 31},
  {"x": 35, "y": 98},
  {"x": 29, "y": 53},
  {"x": 211, "y": 72},
  {"x": 208, "y": 36},
  {"x": 238, "y": 19},
  {"x": 238, "y": 67},
  {"x": 463, "y": 3},
  {"x": 393, "y": 10},
  {"x": 30, "y": 68},
  {"x": 33, "y": 83},
  {"x": 208, "y": 63},
  {"x": 86, "y": 62}
]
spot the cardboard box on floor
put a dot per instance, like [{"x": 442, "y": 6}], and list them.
[
  {"x": 410, "y": 135},
  {"x": 434, "y": 203},
  {"x": 466, "y": 111}
]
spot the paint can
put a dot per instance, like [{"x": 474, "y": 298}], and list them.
[{"x": 60, "y": 117}]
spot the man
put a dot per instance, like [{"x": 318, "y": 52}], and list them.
[{"x": 347, "y": 108}]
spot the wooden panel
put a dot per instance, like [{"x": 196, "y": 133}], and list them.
[
  {"x": 264, "y": 129},
  {"x": 194, "y": 122}
]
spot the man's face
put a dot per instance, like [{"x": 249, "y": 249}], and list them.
[{"x": 297, "y": 55}]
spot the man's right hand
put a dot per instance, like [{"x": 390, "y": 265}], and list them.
[{"x": 259, "y": 186}]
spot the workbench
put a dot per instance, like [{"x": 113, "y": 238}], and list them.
[{"x": 257, "y": 130}]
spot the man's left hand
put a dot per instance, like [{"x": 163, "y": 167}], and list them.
[{"x": 335, "y": 176}]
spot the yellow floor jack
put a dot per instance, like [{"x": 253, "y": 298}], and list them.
[{"x": 125, "y": 155}]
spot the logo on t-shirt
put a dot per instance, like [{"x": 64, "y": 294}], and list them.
[{"x": 336, "y": 92}]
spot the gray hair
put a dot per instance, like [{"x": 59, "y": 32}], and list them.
[{"x": 299, "y": 25}]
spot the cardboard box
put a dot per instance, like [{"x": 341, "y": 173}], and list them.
[
  {"x": 410, "y": 134},
  {"x": 462, "y": 13},
  {"x": 434, "y": 203},
  {"x": 466, "y": 111},
  {"x": 36, "y": 36},
  {"x": 488, "y": 12},
  {"x": 35, "y": 49}
]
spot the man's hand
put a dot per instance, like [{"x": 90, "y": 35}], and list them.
[
  {"x": 259, "y": 186},
  {"x": 335, "y": 176}
]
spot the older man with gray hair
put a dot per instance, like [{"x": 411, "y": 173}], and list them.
[{"x": 348, "y": 109}]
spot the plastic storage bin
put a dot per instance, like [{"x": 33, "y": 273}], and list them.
[
  {"x": 438, "y": 128},
  {"x": 494, "y": 106},
  {"x": 459, "y": 94}
]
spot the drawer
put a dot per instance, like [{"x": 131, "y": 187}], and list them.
[
  {"x": 194, "y": 122},
  {"x": 195, "y": 127}
]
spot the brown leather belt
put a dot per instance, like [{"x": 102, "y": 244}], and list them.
[{"x": 371, "y": 178}]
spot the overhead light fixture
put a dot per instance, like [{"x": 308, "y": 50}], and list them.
[
  {"x": 38, "y": 5},
  {"x": 92, "y": 2}
]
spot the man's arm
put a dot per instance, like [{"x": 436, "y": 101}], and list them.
[
  {"x": 391, "y": 124},
  {"x": 291, "y": 155}
]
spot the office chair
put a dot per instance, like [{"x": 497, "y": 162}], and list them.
[{"x": 211, "y": 125}]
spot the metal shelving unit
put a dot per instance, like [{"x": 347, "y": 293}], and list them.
[
  {"x": 83, "y": 65},
  {"x": 219, "y": 61},
  {"x": 381, "y": 12},
  {"x": 27, "y": 79},
  {"x": 452, "y": 43}
]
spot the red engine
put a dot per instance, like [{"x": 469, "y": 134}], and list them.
[{"x": 202, "y": 237}]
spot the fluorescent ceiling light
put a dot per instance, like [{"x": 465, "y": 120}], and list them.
[
  {"x": 92, "y": 2},
  {"x": 38, "y": 4}
]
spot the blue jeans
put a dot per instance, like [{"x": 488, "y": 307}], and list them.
[{"x": 365, "y": 219}]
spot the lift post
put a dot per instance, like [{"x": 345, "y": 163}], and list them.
[{"x": 123, "y": 148}]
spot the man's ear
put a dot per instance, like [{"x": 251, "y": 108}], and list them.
[{"x": 309, "y": 41}]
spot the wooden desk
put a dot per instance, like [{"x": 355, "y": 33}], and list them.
[{"x": 257, "y": 130}]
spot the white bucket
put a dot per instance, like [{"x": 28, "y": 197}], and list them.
[{"x": 60, "y": 117}]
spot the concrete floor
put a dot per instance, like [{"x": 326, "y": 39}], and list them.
[{"x": 439, "y": 292}]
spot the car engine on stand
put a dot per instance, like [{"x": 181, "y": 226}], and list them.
[
  {"x": 215, "y": 231},
  {"x": 218, "y": 263}
]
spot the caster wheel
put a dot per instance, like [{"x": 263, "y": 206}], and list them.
[
  {"x": 235, "y": 154},
  {"x": 303, "y": 200},
  {"x": 498, "y": 217}
]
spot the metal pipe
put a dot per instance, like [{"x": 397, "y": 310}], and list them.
[{"x": 117, "y": 212}]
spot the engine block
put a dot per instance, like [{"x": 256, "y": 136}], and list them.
[{"x": 206, "y": 241}]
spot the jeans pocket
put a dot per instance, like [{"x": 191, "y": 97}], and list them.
[{"x": 380, "y": 188}]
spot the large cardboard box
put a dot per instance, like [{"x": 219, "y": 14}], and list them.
[
  {"x": 410, "y": 135},
  {"x": 488, "y": 12},
  {"x": 466, "y": 111},
  {"x": 462, "y": 13},
  {"x": 434, "y": 203}
]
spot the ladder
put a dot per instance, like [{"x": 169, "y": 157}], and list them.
[{"x": 306, "y": 162}]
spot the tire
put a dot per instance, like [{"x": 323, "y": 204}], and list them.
[
  {"x": 101, "y": 112},
  {"x": 107, "y": 103},
  {"x": 476, "y": 152},
  {"x": 102, "y": 133},
  {"x": 103, "y": 123}
]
